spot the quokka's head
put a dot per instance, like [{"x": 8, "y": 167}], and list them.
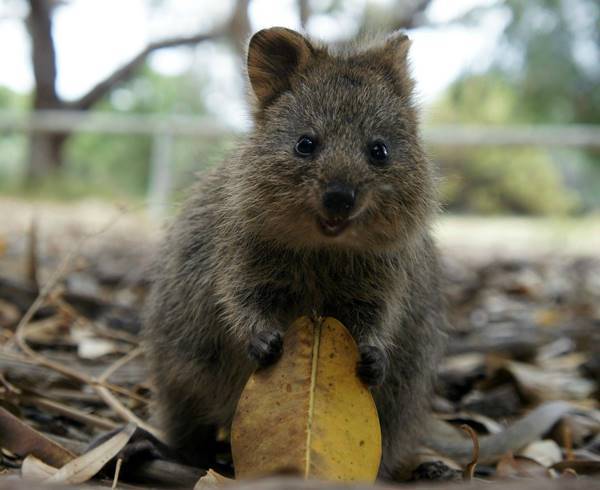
[{"x": 334, "y": 159}]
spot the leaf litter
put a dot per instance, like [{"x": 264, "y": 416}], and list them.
[{"x": 527, "y": 331}]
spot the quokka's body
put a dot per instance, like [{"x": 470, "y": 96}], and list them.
[{"x": 324, "y": 209}]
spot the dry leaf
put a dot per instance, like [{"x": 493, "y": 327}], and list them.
[
  {"x": 463, "y": 363},
  {"x": 22, "y": 440},
  {"x": 545, "y": 384},
  {"x": 544, "y": 452},
  {"x": 577, "y": 428},
  {"x": 9, "y": 314},
  {"x": 212, "y": 479},
  {"x": 492, "y": 447},
  {"x": 207, "y": 482},
  {"x": 549, "y": 317},
  {"x": 92, "y": 348},
  {"x": 475, "y": 420},
  {"x": 512, "y": 467},
  {"x": 581, "y": 467},
  {"x": 309, "y": 414},
  {"x": 34, "y": 469},
  {"x": 89, "y": 464}
]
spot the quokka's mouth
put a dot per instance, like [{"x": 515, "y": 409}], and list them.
[{"x": 333, "y": 227}]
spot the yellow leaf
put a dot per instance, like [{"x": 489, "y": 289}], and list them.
[{"x": 309, "y": 414}]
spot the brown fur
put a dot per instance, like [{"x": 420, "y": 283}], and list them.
[{"x": 246, "y": 254}]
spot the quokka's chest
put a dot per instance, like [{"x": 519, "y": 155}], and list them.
[{"x": 352, "y": 295}]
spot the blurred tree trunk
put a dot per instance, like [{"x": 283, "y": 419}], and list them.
[
  {"x": 239, "y": 26},
  {"x": 393, "y": 16},
  {"x": 304, "y": 11},
  {"x": 45, "y": 155},
  {"x": 46, "y": 149}
]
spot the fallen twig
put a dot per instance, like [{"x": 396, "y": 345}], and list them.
[
  {"x": 32, "y": 255},
  {"x": 79, "y": 319},
  {"x": 469, "y": 471},
  {"x": 567, "y": 439},
  {"x": 21, "y": 339},
  {"x": 113, "y": 402},
  {"x": 117, "y": 471},
  {"x": 70, "y": 412}
]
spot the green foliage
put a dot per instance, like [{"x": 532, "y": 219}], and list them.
[
  {"x": 12, "y": 101},
  {"x": 120, "y": 164},
  {"x": 115, "y": 166},
  {"x": 485, "y": 99},
  {"x": 12, "y": 145},
  {"x": 520, "y": 181},
  {"x": 558, "y": 43},
  {"x": 150, "y": 92},
  {"x": 12, "y": 150},
  {"x": 115, "y": 162},
  {"x": 496, "y": 180},
  {"x": 548, "y": 55},
  {"x": 545, "y": 71}
]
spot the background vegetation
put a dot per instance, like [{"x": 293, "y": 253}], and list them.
[{"x": 545, "y": 70}]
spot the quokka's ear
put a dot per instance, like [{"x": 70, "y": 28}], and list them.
[
  {"x": 392, "y": 53},
  {"x": 275, "y": 55},
  {"x": 391, "y": 59},
  {"x": 396, "y": 47}
]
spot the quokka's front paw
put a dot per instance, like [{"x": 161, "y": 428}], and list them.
[
  {"x": 266, "y": 347},
  {"x": 372, "y": 366}
]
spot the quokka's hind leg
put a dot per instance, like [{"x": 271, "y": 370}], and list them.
[{"x": 193, "y": 440}]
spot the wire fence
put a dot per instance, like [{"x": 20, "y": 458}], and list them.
[{"x": 163, "y": 129}]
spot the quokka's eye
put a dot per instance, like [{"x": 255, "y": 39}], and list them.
[
  {"x": 378, "y": 153},
  {"x": 305, "y": 146}
]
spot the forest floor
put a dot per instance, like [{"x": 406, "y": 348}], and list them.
[{"x": 523, "y": 295}]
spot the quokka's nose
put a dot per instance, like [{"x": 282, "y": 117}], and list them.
[{"x": 339, "y": 198}]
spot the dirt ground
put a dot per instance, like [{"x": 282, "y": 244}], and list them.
[{"x": 128, "y": 227}]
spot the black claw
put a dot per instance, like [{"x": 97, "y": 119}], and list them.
[
  {"x": 372, "y": 366},
  {"x": 266, "y": 347}
]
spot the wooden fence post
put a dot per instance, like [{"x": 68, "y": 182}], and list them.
[{"x": 161, "y": 174}]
